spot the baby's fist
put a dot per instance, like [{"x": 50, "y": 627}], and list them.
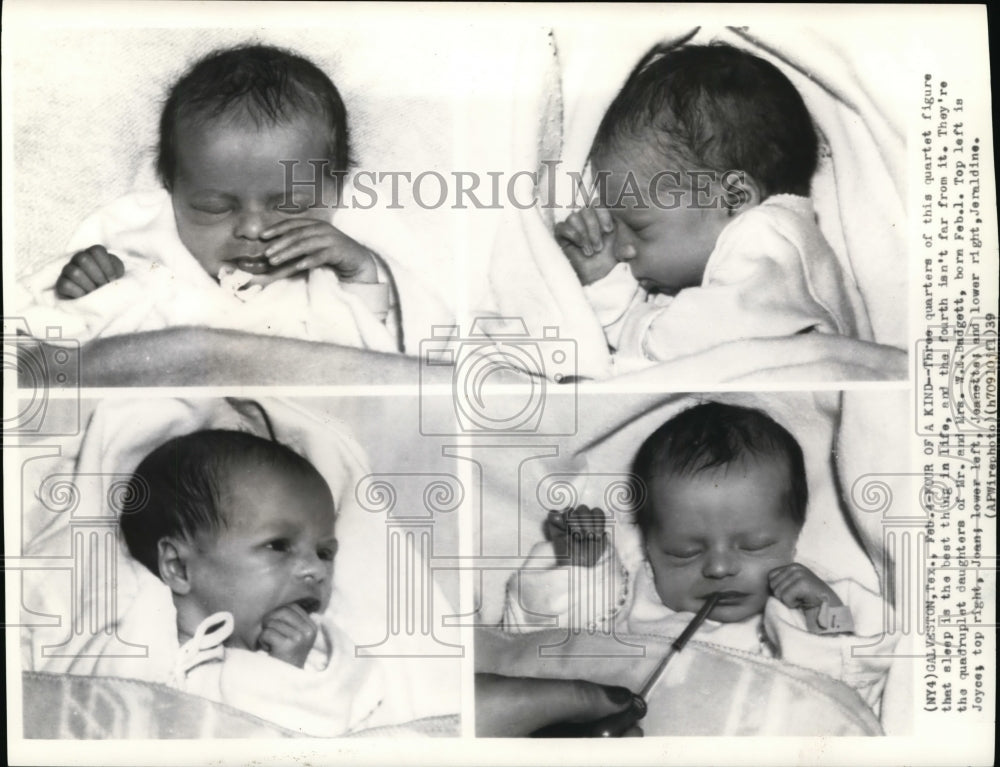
[
  {"x": 578, "y": 534},
  {"x": 587, "y": 240},
  {"x": 798, "y": 587},
  {"x": 288, "y": 634},
  {"x": 88, "y": 270}
]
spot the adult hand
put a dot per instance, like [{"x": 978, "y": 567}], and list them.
[{"x": 510, "y": 707}]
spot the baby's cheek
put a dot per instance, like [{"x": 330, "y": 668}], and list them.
[{"x": 764, "y": 567}]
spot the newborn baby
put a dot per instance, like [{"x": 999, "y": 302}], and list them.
[
  {"x": 725, "y": 500},
  {"x": 241, "y": 529}
]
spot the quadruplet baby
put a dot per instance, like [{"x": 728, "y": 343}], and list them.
[
  {"x": 725, "y": 498},
  {"x": 241, "y": 529}
]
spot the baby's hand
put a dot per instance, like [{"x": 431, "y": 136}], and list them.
[
  {"x": 88, "y": 270},
  {"x": 578, "y": 534},
  {"x": 289, "y": 634},
  {"x": 302, "y": 244},
  {"x": 587, "y": 240},
  {"x": 798, "y": 587}
]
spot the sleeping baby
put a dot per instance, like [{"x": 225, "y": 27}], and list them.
[
  {"x": 703, "y": 231},
  {"x": 241, "y": 529},
  {"x": 725, "y": 500},
  {"x": 253, "y": 152}
]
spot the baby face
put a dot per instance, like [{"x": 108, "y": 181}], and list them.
[
  {"x": 665, "y": 226},
  {"x": 722, "y": 529},
  {"x": 229, "y": 184},
  {"x": 277, "y": 550}
]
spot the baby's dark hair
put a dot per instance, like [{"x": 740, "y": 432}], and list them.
[
  {"x": 265, "y": 84},
  {"x": 716, "y": 108},
  {"x": 713, "y": 435},
  {"x": 179, "y": 489}
]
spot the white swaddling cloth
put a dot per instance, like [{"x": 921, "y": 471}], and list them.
[
  {"x": 334, "y": 693},
  {"x": 771, "y": 273}
]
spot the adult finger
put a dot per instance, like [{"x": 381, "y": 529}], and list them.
[
  {"x": 518, "y": 706},
  {"x": 617, "y": 725}
]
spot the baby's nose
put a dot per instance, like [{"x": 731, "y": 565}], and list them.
[
  {"x": 251, "y": 223},
  {"x": 721, "y": 564},
  {"x": 311, "y": 567}
]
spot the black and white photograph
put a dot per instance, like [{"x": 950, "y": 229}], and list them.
[{"x": 472, "y": 383}]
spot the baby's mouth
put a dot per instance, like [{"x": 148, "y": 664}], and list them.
[
  {"x": 731, "y": 597},
  {"x": 309, "y": 604},
  {"x": 251, "y": 264}
]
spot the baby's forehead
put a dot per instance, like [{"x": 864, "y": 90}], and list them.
[
  {"x": 204, "y": 129},
  {"x": 770, "y": 473},
  {"x": 281, "y": 489}
]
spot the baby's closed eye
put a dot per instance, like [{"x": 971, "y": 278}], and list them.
[
  {"x": 683, "y": 553},
  {"x": 757, "y": 545}
]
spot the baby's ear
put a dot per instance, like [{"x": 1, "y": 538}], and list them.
[
  {"x": 740, "y": 191},
  {"x": 172, "y": 557}
]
